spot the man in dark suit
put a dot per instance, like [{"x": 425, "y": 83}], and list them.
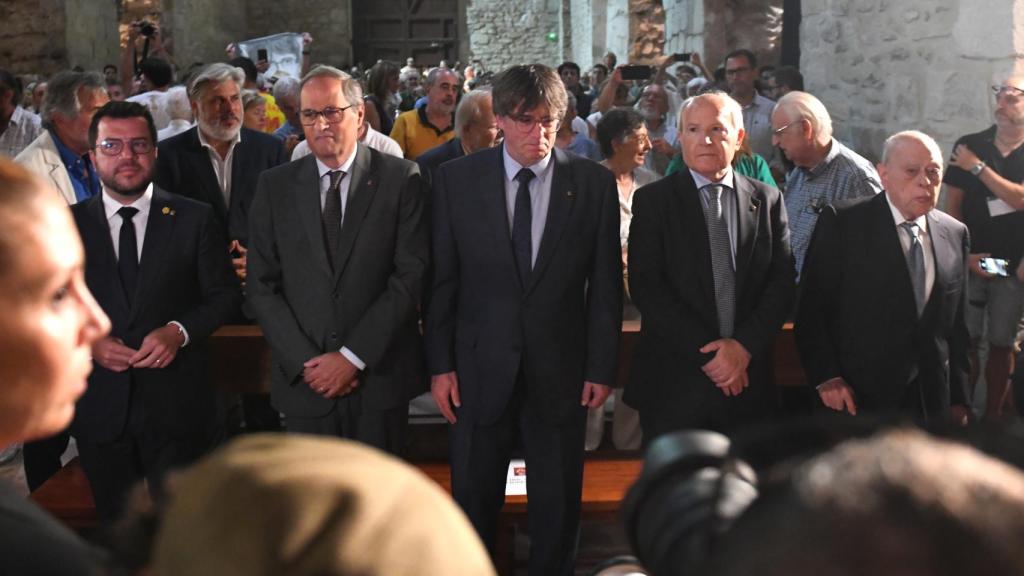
[
  {"x": 525, "y": 313},
  {"x": 475, "y": 129},
  {"x": 711, "y": 270},
  {"x": 156, "y": 264},
  {"x": 218, "y": 161},
  {"x": 880, "y": 324},
  {"x": 338, "y": 255}
]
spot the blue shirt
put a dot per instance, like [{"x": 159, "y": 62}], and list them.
[
  {"x": 83, "y": 177},
  {"x": 287, "y": 130}
]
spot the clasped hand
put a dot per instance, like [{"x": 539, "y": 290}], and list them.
[{"x": 728, "y": 369}]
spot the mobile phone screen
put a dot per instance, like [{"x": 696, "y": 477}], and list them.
[{"x": 995, "y": 266}]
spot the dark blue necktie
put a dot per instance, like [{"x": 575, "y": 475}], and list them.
[
  {"x": 128, "y": 252},
  {"x": 522, "y": 227}
]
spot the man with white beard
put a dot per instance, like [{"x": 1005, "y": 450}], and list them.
[{"x": 653, "y": 104}]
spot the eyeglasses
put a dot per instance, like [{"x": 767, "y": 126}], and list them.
[
  {"x": 114, "y": 147},
  {"x": 1011, "y": 91},
  {"x": 331, "y": 114},
  {"x": 735, "y": 71},
  {"x": 779, "y": 131},
  {"x": 525, "y": 123}
]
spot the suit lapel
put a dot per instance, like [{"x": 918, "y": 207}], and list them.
[
  {"x": 307, "y": 202},
  {"x": 888, "y": 249},
  {"x": 491, "y": 178},
  {"x": 944, "y": 251},
  {"x": 198, "y": 160},
  {"x": 748, "y": 209},
  {"x": 239, "y": 169},
  {"x": 693, "y": 236},
  {"x": 159, "y": 227},
  {"x": 560, "y": 204},
  {"x": 102, "y": 251},
  {"x": 361, "y": 192}
]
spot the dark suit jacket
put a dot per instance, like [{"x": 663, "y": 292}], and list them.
[
  {"x": 183, "y": 166},
  {"x": 432, "y": 159},
  {"x": 857, "y": 318},
  {"x": 671, "y": 282},
  {"x": 184, "y": 275},
  {"x": 369, "y": 303},
  {"x": 560, "y": 330}
]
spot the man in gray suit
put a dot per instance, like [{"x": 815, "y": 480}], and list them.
[{"x": 337, "y": 260}]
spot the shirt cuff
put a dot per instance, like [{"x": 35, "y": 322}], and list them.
[
  {"x": 830, "y": 381},
  {"x": 352, "y": 358},
  {"x": 181, "y": 328}
]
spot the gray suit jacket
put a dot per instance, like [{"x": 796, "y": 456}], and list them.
[{"x": 368, "y": 301}]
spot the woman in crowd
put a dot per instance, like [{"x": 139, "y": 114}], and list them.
[
  {"x": 255, "y": 110},
  {"x": 47, "y": 330},
  {"x": 382, "y": 96}
]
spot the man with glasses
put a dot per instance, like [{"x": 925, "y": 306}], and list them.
[
  {"x": 338, "y": 260},
  {"x": 826, "y": 171},
  {"x": 525, "y": 313},
  {"x": 740, "y": 75},
  {"x": 429, "y": 126},
  {"x": 985, "y": 191},
  {"x": 155, "y": 263}
]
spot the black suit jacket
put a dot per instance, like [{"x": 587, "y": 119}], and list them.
[
  {"x": 857, "y": 317},
  {"x": 559, "y": 330},
  {"x": 369, "y": 301},
  {"x": 671, "y": 282},
  {"x": 183, "y": 166},
  {"x": 432, "y": 159},
  {"x": 184, "y": 275}
]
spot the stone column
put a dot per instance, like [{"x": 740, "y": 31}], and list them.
[{"x": 92, "y": 33}]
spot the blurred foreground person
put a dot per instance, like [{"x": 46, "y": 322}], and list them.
[
  {"x": 47, "y": 331},
  {"x": 327, "y": 507}
]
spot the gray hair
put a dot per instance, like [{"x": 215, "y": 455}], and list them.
[
  {"x": 893, "y": 141},
  {"x": 215, "y": 74},
  {"x": 798, "y": 106},
  {"x": 286, "y": 87},
  {"x": 728, "y": 105},
  {"x": 434, "y": 73},
  {"x": 62, "y": 94},
  {"x": 349, "y": 86},
  {"x": 176, "y": 103},
  {"x": 469, "y": 108},
  {"x": 250, "y": 96}
]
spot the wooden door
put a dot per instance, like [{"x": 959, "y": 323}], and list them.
[{"x": 397, "y": 29}]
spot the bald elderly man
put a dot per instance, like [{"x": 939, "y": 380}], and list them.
[{"x": 880, "y": 324}]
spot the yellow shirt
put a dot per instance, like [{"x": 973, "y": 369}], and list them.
[
  {"x": 415, "y": 134},
  {"x": 275, "y": 118}
]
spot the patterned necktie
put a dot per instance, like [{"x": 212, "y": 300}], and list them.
[
  {"x": 915, "y": 264},
  {"x": 721, "y": 261},
  {"x": 332, "y": 214},
  {"x": 128, "y": 252},
  {"x": 522, "y": 227}
]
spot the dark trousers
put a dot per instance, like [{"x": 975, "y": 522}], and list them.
[
  {"x": 554, "y": 479},
  {"x": 139, "y": 453},
  {"x": 42, "y": 458},
  {"x": 383, "y": 429}
]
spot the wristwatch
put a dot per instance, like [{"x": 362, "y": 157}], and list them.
[{"x": 977, "y": 168}]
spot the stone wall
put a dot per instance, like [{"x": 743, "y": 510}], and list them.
[
  {"x": 503, "y": 32},
  {"x": 881, "y": 66},
  {"x": 752, "y": 24},
  {"x": 32, "y": 37},
  {"x": 646, "y": 31},
  {"x": 684, "y": 26},
  {"x": 582, "y": 27}
]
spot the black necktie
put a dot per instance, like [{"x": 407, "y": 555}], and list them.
[
  {"x": 332, "y": 214},
  {"x": 721, "y": 261},
  {"x": 915, "y": 264},
  {"x": 128, "y": 252},
  {"x": 522, "y": 227}
]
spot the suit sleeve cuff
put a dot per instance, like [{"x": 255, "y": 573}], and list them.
[
  {"x": 351, "y": 356},
  {"x": 181, "y": 330}
]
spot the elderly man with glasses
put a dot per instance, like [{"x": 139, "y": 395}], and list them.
[{"x": 985, "y": 191}]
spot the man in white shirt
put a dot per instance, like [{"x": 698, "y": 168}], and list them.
[{"x": 18, "y": 127}]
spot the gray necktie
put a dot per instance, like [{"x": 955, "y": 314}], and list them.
[
  {"x": 721, "y": 261},
  {"x": 915, "y": 264}
]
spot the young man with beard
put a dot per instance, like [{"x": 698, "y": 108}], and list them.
[{"x": 157, "y": 266}]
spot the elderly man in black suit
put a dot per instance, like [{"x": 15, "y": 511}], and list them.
[
  {"x": 339, "y": 250},
  {"x": 880, "y": 324},
  {"x": 218, "y": 161},
  {"x": 525, "y": 313},
  {"x": 156, "y": 263},
  {"x": 475, "y": 129},
  {"x": 711, "y": 270}
]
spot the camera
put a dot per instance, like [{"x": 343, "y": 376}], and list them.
[{"x": 146, "y": 28}]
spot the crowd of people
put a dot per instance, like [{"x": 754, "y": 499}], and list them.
[{"x": 481, "y": 235}]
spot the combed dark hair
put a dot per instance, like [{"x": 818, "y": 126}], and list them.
[
  {"x": 789, "y": 76},
  {"x": 377, "y": 78},
  {"x": 158, "y": 71},
  {"x": 9, "y": 81},
  {"x": 614, "y": 126},
  {"x": 751, "y": 59},
  {"x": 120, "y": 110},
  {"x": 247, "y": 66},
  {"x": 568, "y": 66},
  {"x": 524, "y": 87}
]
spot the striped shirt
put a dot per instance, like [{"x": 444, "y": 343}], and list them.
[
  {"x": 23, "y": 128},
  {"x": 842, "y": 175}
]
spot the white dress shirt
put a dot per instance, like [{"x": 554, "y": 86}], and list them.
[
  {"x": 540, "y": 196},
  {"x": 222, "y": 166}
]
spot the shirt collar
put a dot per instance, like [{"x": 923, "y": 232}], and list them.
[
  {"x": 897, "y": 218},
  {"x": 346, "y": 166},
  {"x": 833, "y": 152},
  {"x": 68, "y": 157},
  {"x": 728, "y": 180},
  {"x": 142, "y": 203},
  {"x": 512, "y": 167},
  {"x": 18, "y": 115},
  {"x": 206, "y": 143}
]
